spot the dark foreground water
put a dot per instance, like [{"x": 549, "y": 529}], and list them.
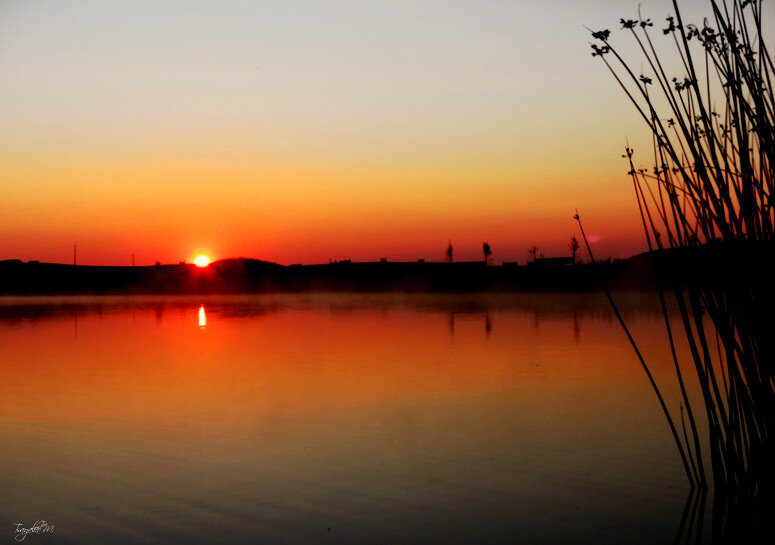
[{"x": 384, "y": 420}]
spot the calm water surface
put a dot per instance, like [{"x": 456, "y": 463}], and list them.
[{"x": 290, "y": 419}]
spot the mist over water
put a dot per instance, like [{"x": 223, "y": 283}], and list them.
[{"x": 334, "y": 419}]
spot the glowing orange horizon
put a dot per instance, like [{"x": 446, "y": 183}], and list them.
[{"x": 332, "y": 218}]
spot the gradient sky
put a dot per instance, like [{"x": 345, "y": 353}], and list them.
[{"x": 298, "y": 131}]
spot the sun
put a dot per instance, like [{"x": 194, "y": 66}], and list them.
[{"x": 202, "y": 261}]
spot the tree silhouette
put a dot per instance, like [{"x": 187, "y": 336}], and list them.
[
  {"x": 574, "y": 246},
  {"x": 487, "y": 251},
  {"x": 533, "y": 250},
  {"x": 449, "y": 252}
]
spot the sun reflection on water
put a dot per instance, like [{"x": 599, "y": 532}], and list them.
[{"x": 202, "y": 317}]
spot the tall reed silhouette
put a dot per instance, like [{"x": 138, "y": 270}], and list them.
[{"x": 706, "y": 203}]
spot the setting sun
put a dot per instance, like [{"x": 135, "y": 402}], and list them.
[{"x": 202, "y": 261}]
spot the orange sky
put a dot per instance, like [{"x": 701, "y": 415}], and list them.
[{"x": 299, "y": 132}]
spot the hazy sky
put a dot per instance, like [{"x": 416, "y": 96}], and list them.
[{"x": 301, "y": 131}]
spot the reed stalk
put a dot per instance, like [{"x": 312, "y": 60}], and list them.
[{"x": 705, "y": 197}]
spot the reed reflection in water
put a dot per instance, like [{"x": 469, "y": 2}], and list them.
[{"x": 342, "y": 420}]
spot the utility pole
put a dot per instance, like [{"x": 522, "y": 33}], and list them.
[
  {"x": 74, "y": 254},
  {"x": 133, "y": 260}
]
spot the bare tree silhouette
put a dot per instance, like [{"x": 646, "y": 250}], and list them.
[
  {"x": 533, "y": 251},
  {"x": 574, "y": 247},
  {"x": 448, "y": 253},
  {"x": 487, "y": 251}
]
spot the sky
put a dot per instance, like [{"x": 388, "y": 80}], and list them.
[{"x": 303, "y": 131}]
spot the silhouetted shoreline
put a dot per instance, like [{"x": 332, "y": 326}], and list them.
[
  {"x": 243, "y": 275},
  {"x": 247, "y": 276}
]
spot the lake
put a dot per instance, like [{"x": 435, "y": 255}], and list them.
[{"x": 335, "y": 419}]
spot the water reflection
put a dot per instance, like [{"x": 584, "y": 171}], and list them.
[
  {"x": 485, "y": 313},
  {"x": 296, "y": 415},
  {"x": 732, "y": 517}
]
